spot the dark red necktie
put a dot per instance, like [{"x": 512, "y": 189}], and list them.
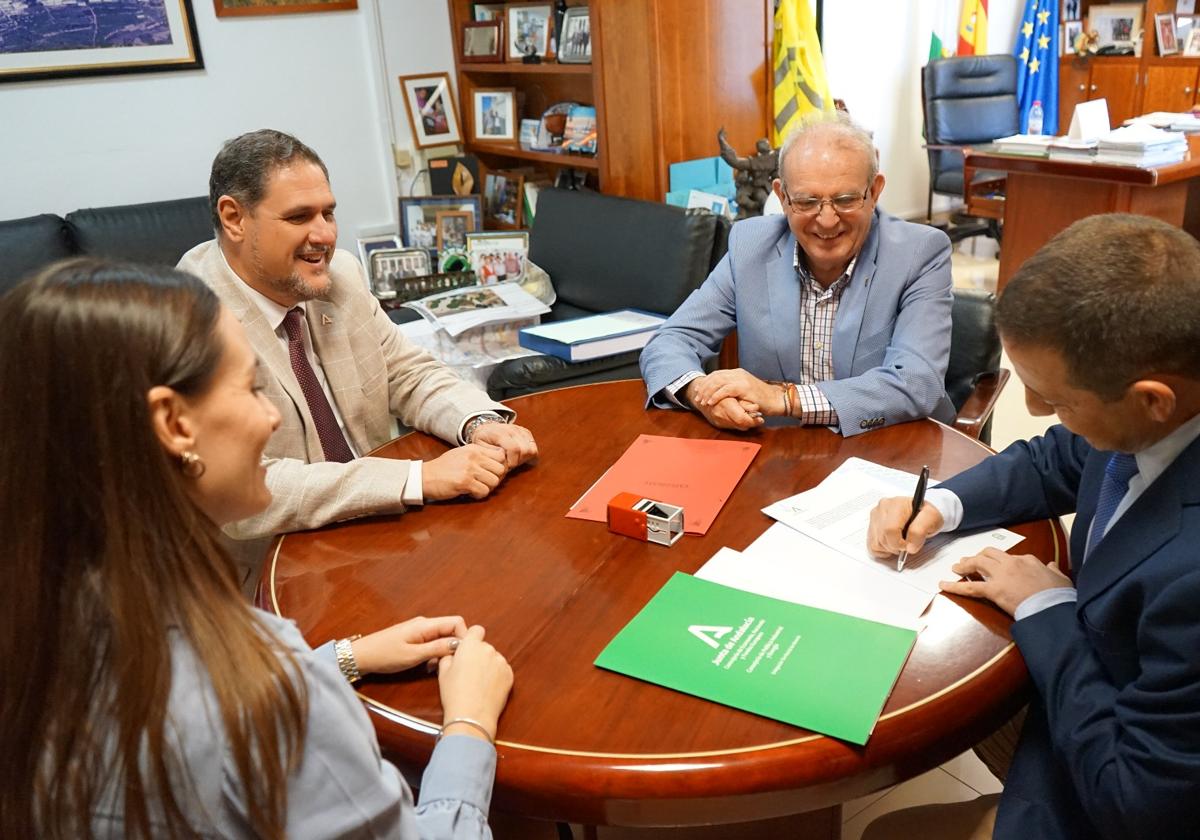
[{"x": 332, "y": 441}]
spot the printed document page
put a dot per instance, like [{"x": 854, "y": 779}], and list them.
[
  {"x": 790, "y": 566},
  {"x": 837, "y": 513}
]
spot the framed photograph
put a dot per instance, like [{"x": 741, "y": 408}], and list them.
[
  {"x": 498, "y": 257},
  {"x": 495, "y": 115},
  {"x": 1191, "y": 46},
  {"x": 418, "y": 216},
  {"x": 1164, "y": 27},
  {"x": 231, "y": 8},
  {"x": 368, "y": 245},
  {"x": 1118, "y": 24},
  {"x": 453, "y": 227},
  {"x": 482, "y": 41},
  {"x": 502, "y": 193},
  {"x": 1185, "y": 7},
  {"x": 488, "y": 11},
  {"x": 389, "y": 266},
  {"x": 1070, "y": 31},
  {"x": 40, "y": 42},
  {"x": 528, "y": 30},
  {"x": 431, "y": 109},
  {"x": 1183, "y": 27},
  {"x": 575, "y": 39},
  {"x": 1070, "y": 10}
]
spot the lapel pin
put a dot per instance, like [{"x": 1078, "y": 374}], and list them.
[{"x": 325, "y": 320}]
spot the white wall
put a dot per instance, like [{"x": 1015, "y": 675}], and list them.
[
  {"x": 126, "y": 139},
  {"x": 874, "y": 51}
]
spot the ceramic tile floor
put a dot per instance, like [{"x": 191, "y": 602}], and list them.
[{"x": 973, "y": 265}]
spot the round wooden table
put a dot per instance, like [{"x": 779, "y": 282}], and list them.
[{"x": 581, "y": 744}]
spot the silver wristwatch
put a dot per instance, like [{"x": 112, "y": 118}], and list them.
[{"x": 476, "y": 422}]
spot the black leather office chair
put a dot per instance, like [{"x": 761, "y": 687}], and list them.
[
  {"x": 605, "y": 253},
  {"x": 974, "y": 378},
  {"x": 967, "y": 100}
]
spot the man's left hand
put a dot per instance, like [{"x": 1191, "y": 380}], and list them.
[
  {"x": 741, "y": 385},
  {"x": 1008, "y": 579},
  {"x": 516, "y": 441}
]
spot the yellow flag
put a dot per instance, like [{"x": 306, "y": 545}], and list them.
[
  {"x": 973, "y": 27},
  {"x": 800, "y": 86}
]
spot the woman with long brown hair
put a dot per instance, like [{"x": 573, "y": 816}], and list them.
[{"x": 141, "y": 695}]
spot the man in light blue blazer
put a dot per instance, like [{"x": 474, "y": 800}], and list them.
[
  {"x": 1102, "y": 326},
  {"x": 842, "y": 311}
]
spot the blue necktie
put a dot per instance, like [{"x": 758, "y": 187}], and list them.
[{"x": 1121, "y": 467}]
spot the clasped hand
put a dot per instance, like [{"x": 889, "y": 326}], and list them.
[
  {"x": 734, "y": 399},
  {"x": 474, "y": 679},
  {"x": 477, "y": 468},
  {"x": 1007, "y": 579}
]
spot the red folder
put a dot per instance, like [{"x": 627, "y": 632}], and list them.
[{"x": 697, "y": 475}]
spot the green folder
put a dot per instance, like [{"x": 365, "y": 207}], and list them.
[{"x": 822, "y": 670}]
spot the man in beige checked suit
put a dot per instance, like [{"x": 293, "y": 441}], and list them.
[{"x": 331, "y": 361}]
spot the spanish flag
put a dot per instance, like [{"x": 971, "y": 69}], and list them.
[
  {"x": 972, "y": 28},
  {"x": 800, "y": 86}
]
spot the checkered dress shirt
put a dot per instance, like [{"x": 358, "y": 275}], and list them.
[{"x": 818, "y": 308}]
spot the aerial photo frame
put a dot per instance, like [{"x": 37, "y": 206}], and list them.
[{"x": 59, "y": 42}]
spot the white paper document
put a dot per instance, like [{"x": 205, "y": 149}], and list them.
[
  {"x": 837, "y": 514},
  {"x": 785, "y": 564}
]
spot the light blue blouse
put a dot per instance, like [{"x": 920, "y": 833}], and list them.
[{"x": 341, "y": 788}]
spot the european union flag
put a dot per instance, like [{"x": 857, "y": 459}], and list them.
[{"x": 1037, "y": 68}]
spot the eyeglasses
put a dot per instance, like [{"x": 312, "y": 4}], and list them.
[{"x": 811, "y": 205}]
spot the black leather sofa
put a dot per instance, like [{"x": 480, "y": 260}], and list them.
[
  {"x": 159, "y": 232},
  {"x": 605, "y": 253}
]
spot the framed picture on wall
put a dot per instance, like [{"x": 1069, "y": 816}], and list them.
[
  {"x": 234, "y": 8},
  {"x": 1164, "y": 27},
  {"x": 494, "y": 117},
  {"x": 431, "y": 110},
  {"x": 527, "y": 30},
  {"x": 483, "y": 41},
  {"x": 38, "y": 44},
  {"x": 575, "y": 40}
]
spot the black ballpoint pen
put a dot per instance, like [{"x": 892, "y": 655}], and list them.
[{"x": 918, "y": 501}]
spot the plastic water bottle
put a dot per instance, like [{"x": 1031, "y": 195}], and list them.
[{"x": 1036, "y": 117}]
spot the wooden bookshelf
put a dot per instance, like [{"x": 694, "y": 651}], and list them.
[{"x": 665, "y": 76}]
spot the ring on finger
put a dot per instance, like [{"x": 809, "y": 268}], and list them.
[{"x": 453, "y": 645}]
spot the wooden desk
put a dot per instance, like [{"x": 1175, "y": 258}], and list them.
[
  {"x": 585, "y": 745},
  {"x": 1043, "y": 197}
]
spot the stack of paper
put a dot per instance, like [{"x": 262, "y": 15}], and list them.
[
  {"x": 1023, "y": 144},
  {"x": 1064, "y": 148},
  {"x": 1141, "y": 144},
  {"x": 593, "y": 337},
  {"x": 1174, "y": 121}
]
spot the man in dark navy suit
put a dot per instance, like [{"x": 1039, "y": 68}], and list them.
[{"x": 1103, "y": 327}]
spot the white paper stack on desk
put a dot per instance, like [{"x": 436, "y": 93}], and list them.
[
  {"x": 1141, "y": 144},
  {"x": 1023, "y": 144}
]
